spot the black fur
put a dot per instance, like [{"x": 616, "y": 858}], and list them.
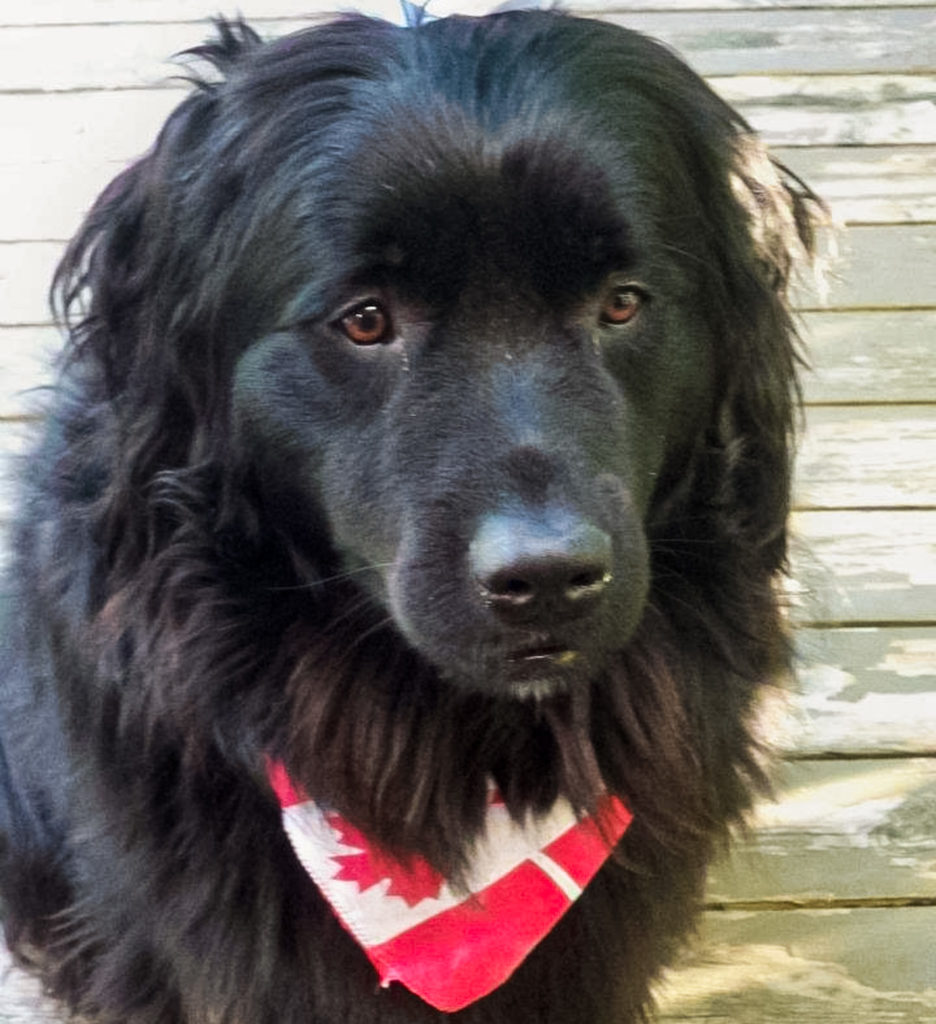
[{"x": 243, "y": 536}]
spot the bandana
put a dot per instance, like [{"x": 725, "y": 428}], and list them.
[{"x": 451, "y": 947}]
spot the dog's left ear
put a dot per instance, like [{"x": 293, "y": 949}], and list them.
[
  {"x": 784, "y": 213},
  {"x": 758, "y": 414}
]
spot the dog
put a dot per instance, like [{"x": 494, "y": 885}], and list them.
[{"x": 397, "y": 572}]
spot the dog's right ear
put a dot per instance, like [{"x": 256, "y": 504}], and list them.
[
  {"x": 132, "y": 294},
  {"x": 125, "y": 265}
]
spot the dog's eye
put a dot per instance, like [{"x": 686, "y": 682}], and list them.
[
  {"x": 366, "y": 324},
  {"x": 621, "y": 305}
]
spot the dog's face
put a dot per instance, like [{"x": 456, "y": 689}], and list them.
[
  {"x": 488, "y": 315},
  {"x": 487, "y": 377}
]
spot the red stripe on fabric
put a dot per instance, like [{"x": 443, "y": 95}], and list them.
[
  {"x": 582, "y": 849},
  {"x": 282, "y": 785},
  {"x": 465, "y": 952}
]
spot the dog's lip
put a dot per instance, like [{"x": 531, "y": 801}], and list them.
[
  {"x": 539, "y": 666},
  {"x": 544, "y": 653}
]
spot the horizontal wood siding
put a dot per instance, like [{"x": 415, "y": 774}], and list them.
[{"x": 826, "y": 911}]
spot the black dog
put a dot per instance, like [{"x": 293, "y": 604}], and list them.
[{"x": 423, "y": 428}]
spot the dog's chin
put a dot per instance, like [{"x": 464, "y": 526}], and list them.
[{"x": 538, "y": 689}]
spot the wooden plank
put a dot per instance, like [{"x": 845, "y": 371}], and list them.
[
  {"x": 794, "y": 41},
  {"x": 864, "y": 567},
  {"x": 66, "y": 57},
  {"x": 754, "y": 6},
  {"x": 155, "y": 12},
  {"x": 119, "y": 124},
  {"x": 21, "y": 998},
  {"x": 867, "y": 456},
  {"x": 859, "y": 692},
  {"x": 863, "y": 966},
  {"x": 25, "y": 358},
  {"x": 63, "y": 57},
  {"x": 870, "y": 356},
  {"x": 74, "y": 12},
  {"x": 862, "y": 185},
  {"x": 871, "y": 273},
  {"x": 43, "y": 200},
  {"x": 99, "y": 126},
  {"x": 837, "y": 831},
  {"x": 836, "y": 110},
  {"x": 16, "y": 439},
  {"x": 867, "y": 185},
  {"x": 47, "y": 201},
  {"x": 25, "y": 272},
  {"x": 791, "y": 111}
]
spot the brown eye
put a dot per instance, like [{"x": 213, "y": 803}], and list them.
[
  {"x": 621, "y": 306},
  {"x": 367, "y": 324}
]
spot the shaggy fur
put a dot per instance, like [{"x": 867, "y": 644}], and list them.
[{"x": 248, "y": 534}]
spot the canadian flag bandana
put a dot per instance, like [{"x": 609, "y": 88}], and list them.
[{"x": 451, "y": 948}]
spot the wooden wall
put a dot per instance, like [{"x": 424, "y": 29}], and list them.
[{"x": 828, "y": 912}]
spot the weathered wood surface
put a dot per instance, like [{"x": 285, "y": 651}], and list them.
[
  {"x": 21, "y": 1000},
  {"x": 839, "y": 834},
  {"x": 821, "y": 922},
  {"x": 869, "y": 568},
  {"x": 876, "y": 184},
  {"x": 715, "y": 42},
  {"x": 855, "y": 966},
  {"x": 792, "y": 110},
  {"x": 866, "y": 456},
  {"x": 871, "y": 273},
  {"x": 45, "y": 201},
  {"x": 79, "y": 12},
  {"x": 836, "y": 110},
  {"x": 864, "y": 691},
  {"x": 825, "y": 915},
  {"x": 795, "y": 41},
  {"x": 871, "y": 357}
]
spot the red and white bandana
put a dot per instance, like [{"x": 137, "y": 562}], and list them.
[{"x": 452, "y": 948}]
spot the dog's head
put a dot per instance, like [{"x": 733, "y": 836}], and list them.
[{"x": 483, "y": 322}]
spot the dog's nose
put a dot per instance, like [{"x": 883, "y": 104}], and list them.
[{"x": 540, "y": 568}]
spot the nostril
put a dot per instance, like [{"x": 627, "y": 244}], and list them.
[
  {"x": 587, "y": 584},
  {"x": 589, "y": 578},
  {"x": 509, "y": 588}
]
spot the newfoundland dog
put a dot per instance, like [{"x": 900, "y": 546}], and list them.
[{"x": 397, "y": 572}]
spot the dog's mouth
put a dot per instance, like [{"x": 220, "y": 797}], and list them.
[
  {"x": 540, "y": 671},
  {"x": 544, "y": 654}
]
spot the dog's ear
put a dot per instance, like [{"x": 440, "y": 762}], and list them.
[
  {"x": 760, "y": 391},
  {"x": 783, "y": 213},
  {"x": 126, "y": 280},
  {"x": 136, "y": 294}
]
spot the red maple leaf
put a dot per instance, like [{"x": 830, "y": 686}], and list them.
[{"x": 413, "y": 881}]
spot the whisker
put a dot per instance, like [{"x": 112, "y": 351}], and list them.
[{"x": 337, "y": 577}]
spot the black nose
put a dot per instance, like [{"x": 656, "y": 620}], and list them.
[{"x": 540, "y": 568}]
